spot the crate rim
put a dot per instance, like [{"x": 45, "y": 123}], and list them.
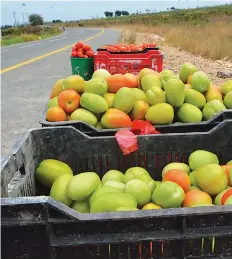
[
  {"x": 145, "y": 50},
  {"x": 84, "y": 136},
  {"x": 80, "y": 58},
  {"x": 120, "y": 215}
]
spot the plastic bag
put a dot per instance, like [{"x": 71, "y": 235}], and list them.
[{"x": 127, "y": 139}]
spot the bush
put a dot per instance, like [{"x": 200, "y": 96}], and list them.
[
  {"x": 37, "y": 30},
  {"x": 30, "y": 37}
]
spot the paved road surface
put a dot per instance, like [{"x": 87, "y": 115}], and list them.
[{"x": 25, "y": 89}]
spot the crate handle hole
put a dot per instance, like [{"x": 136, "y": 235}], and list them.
[{"x": 22, "y": 170}]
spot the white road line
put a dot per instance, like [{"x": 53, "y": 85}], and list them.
[
  {"x": 30, "y": 45},
  {"x": 53, "y": 40},
  {"x": 79, "y": 33},
  {"x": 63, "y": 38},
  {"x": 3, "y": 50}
]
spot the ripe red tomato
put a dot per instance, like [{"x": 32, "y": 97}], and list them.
[
  {"x": 74, "y": 53},
  {"x": 80, "y": 54},
  {"x": 90, "y": 53},
  {"x": 86, "y": 47},
  {"x": 123, "y": 49},
  {"x": 112, "y": 49},
  {"x": 79, "y": 44},
  {"x": 133, "y": 48}
]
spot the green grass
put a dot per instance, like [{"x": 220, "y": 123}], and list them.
[
  {"x": 19, "y": 37},
  {"x": 10, "y": 41}
]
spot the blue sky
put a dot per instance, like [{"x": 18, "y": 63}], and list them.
[{"x": 76, "y": 10}]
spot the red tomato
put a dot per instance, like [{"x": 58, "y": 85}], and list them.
[
  {"x": 79, "y": 44},
  {"x": 80, "y": 54},
  {"x": 86, "y": 47},
  {"x": 74, "y": 53},
  {"x": 123, "y": 49},
  {"x": 133, "y": 48},
  {"x": 89, "y": 53},
  {"x": 85, "y": 56},
  {"x": 112, "y": 49}
]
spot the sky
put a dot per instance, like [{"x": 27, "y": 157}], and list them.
[{"x": 77, "y": 10}]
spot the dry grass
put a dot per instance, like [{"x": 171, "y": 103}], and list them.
[
  {"x": 19, "y": 39},
  {"x": 26, "y": 34},
  {"x": 212, "y": 40},
  {"x": 128, "y": 36},
  {"x": 30, "y": 37},
  {"x": 204, "y": 31}
]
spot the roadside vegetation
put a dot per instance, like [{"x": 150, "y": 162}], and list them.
[
  {"x": 35, "y": 31},
  {"x": 202, "y": 31}
]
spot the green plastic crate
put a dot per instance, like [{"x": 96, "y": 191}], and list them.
[{"x": 83, "y": 67}]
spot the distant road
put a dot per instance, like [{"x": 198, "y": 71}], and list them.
[
  {"x": 17, "y": 53},
  {"x": 28, "y": 72}
]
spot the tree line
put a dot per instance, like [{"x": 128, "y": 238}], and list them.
[{"x": 116, "y": 13}]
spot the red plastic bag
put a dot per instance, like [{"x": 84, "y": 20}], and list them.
[
  {"x": 140, "y": 127},
  {"x": 127, "y": 141}
]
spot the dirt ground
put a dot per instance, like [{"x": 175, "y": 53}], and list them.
[{"x": 175, "y": 57}]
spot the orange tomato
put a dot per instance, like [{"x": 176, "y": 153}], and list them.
[
  {"x": 69, "y": 100},
  {"x": 196, "y": 197},
  {"x": 179, "y": 177},
  {"x": 226, "y": 169},
  {"x": 55, "y": 114},
  {"x": 131, "y": 80},
  {"x": 115, "y": 82}
]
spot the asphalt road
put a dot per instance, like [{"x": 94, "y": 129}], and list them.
[{"x": 26, "y": 88}]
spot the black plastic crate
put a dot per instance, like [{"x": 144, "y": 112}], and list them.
[
  {"x": 39, "y": 227},
  {"x": 173, "y": 128}
]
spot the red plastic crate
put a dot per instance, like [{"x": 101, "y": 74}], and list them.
[{"x": 128, "y": 62}]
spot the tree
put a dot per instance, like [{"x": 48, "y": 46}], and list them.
[
  {"x": 107, "y": 14},
  {"x": 125, "y": 13},
  {"x": 172, "y": 8},
  {"x": 36, "y": 19},
  {"x": 56, "y": 21},
  {"x": 118, "y": 13},
  {"x": 111, "y": 14}
]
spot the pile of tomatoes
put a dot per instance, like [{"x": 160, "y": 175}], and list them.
[
  {"x": 128, "y": 48},
  {"x": 81, "y": 50}
]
